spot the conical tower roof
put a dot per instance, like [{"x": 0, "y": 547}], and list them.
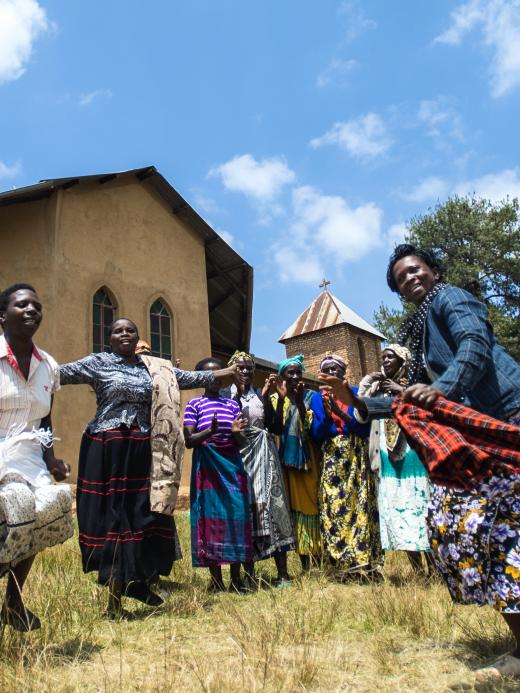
[{"x": 326, "y": 311}]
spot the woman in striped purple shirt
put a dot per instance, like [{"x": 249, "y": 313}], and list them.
[{"x": 221, "y": 531}]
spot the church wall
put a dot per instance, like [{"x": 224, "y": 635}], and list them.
[
  {"x": 124, "y": 237},
  {"x": 372, "y": 349},
  {"x": 341, "y": 340},
  {"x": 314, "y": 346}
]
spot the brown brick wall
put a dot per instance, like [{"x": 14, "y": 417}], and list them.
[{"x": 341, "y": 340}]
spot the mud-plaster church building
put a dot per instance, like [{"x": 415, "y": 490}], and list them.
[
  {"x": 328, "y": 325},
  {"x": 122, "y": 245}
]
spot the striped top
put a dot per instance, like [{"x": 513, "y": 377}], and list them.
[
  {"x": 25, "y": 402},
  {"x": 199, "y": 413}
]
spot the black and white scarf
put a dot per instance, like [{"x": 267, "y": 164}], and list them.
[{"x": 411, "y": 335}]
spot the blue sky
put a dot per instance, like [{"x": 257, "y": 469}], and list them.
[{"x": 307, "y": 133}]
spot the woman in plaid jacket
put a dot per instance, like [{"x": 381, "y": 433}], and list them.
[{"x": 474, "y": 529}]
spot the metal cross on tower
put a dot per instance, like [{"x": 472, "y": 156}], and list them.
[{"x": 324, "y": 284}]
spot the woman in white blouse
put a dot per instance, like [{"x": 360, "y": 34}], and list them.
[{"x": 34, "y": 512}]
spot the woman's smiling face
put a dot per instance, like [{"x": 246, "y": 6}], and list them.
[
  {"x": 23, "y": 314},
  {"x": 414, "y": 278}
]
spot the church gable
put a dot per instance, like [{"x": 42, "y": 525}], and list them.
[
  {"x": 328, "y": 325},
  {"x": 326, "y": 311}
]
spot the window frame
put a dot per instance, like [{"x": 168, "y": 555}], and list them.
[
  {"x": 99, "y": 333},
  {"x": 159, "y": 336}
]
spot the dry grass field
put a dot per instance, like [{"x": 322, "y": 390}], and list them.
[{"x": 317, "y": 635}]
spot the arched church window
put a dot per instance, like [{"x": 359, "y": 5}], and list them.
[
  {"x": 362, "y": 356},
  {"x": 104, "y": 312},
  {"x": 161, "y": 330}
]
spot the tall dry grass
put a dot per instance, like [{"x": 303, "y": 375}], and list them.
[{"x": 317, "y": 635}]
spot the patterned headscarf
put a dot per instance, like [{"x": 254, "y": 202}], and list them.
[
  {"x": 411, "y": 333},
  {"x": 331, "y": 359},
  {"x": 292, "y": 361},
  {"x": 404, "y": 354},
  {"x": 240, "y": 355}
]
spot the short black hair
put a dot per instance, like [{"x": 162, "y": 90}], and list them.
[
  {"x": 201, "y": 365},
  {"x": 405, "y": 250},
  {"x": 10, "y": 290},
  {"x": 126, "y": 320}
]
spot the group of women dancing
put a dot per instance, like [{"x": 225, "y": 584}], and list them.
[{"x": 340, "y": 475}]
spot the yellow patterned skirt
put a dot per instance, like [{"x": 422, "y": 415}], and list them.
[{"x": 348, "y": 505}]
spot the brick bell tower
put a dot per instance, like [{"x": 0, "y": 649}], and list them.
[{"x": 328, "y": 325}]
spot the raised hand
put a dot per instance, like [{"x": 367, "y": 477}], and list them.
[
  {"x": 281, "y": 387},
  {"x": 392, "y": 386},
  {"x": 269, "y": 385},
  {"x": 340, "y": 388},
  {"x": 327, "y": 402},
  {"x": 239, "y": 424},
  {"x": 298, "y": 392}
]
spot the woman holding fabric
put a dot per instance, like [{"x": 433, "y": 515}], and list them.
[
  {"x": 273, "y": 533},
  {"x": 347, "y": 490},
  {"x": 130, "y": 465},
  {"x": 299, "y": 456},
  {"x": 403, "y": 487},
  {"x": 34, "y": 512},
  {"x": 474, "y": 529},
  {"x": 221, "y": 531}
]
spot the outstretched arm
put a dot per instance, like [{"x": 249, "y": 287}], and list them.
[{"x": 191, "y": 380}]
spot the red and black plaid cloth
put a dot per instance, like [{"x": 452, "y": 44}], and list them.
[{"x": 457, "y": 445}]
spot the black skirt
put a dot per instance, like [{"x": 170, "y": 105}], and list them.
[{"x": 119, "y": 536}]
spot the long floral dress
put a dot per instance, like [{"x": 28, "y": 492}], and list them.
[
  {"x": 347, "y": 491},
  {"x": 475, "y": 539}
]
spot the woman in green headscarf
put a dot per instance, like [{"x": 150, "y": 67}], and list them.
[{"x": 299, "y": 456}]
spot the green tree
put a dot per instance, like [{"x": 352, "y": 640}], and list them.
[{"x": 478, "y": 244}]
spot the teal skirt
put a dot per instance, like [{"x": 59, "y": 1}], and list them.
[{"x": 403, "y": 497}]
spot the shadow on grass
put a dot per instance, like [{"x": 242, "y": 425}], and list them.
[
  {"x": 75, "y": 650},
  {"x": 485, "y": 642}
]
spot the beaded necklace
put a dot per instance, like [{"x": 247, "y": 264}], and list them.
[{"x": 411, "y": 334}]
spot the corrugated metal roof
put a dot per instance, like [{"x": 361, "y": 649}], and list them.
[
  {"x": 229, "y": 276},
  {"x": 326, "y": 311}
]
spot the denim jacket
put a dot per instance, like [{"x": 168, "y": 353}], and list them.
[{"x": 463, "y": 358}]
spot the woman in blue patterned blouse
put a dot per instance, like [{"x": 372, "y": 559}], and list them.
[{"x": 120, "y": 537}]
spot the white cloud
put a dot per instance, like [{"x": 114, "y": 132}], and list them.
[
  {"x": 88, "y": 98},
  {"x": 356, "y": 22},
  {"x": 464, "y": 19},
  {"x": 325, "y": 229},
  {"x": 493, "y": 186},
  {"x": 262, "y": 180},
  {"x": 430, "y": 188},
  {"x": 396, "y": 234},
  {"x": 364, "y": 138},
  {"x": 205, "y": 204},
  {"x": 12, "y": 171},
  {"x": 440, "y": 118},
  {"x": 21, "y": 22},
  {"x": 336, "y": 73},
  {"x": 499, "y": 22},
  {"x": 297, "y": 267},
  {"x": 227, "y": 237}
]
